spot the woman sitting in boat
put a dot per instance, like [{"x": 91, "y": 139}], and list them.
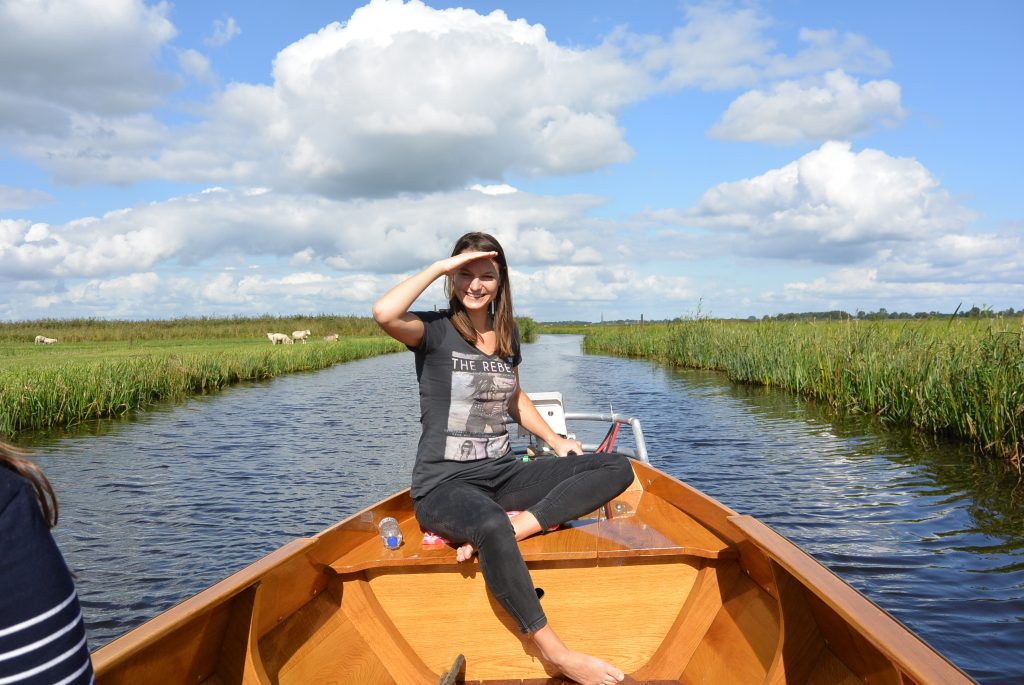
[{"x": 466, "y": 477}]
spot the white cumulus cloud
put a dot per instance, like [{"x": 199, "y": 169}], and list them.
[
  {"x": 302, "y": 243},
  {"x": 496, "y": 189},
  {"x": 197, "y": 65},
  {"x": 832, "y": 205},
  {"x": 869, "y": 288},
  {"x": 470, "y": 98},
  {"x": 722, "y": 48},
  {"x": 598, "y": 284},
  {"x": 835, "y": 107},
  {"x": 223, "y": 31},
  {"x": 86, "y": 56},
  {"x": 122, "y": 296},
  {"x": 21, "y": 198}
]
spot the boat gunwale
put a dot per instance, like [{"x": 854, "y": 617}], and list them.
[
  {"x": 882, "y": 630},
  {"x": 164, "y": 624}
]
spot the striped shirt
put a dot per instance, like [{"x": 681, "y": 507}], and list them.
[{"x": 42, "y": 636}]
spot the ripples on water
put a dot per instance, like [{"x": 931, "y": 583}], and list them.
[{"x": 159, "y": 507}]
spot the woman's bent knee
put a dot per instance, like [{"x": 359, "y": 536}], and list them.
[
  {"x": 622, "y": 471},
  {"x": 492, "y": 527}
]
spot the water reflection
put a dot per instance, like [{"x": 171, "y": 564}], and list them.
[{"x": 160, "y": 506}]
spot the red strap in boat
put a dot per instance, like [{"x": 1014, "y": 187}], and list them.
[{"x": 608, "y": 444}]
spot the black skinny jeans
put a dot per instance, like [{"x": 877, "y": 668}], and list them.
[{"x": 554, "y": 490}]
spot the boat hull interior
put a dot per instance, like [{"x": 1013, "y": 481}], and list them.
[{"x": 664, "y": 582}]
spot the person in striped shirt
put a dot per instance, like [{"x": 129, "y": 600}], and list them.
[{"x": 42, "y": 636}]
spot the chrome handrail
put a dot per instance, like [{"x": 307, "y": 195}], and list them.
[
  {"x": 634, "y": 423},
  {"x": 640, "y": 452}
]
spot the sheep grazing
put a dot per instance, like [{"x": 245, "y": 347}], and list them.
[
  {"x": 333, "y": 337},
  {"x": 300, "y": 335},
  {"x": 279, "y": 339},
  {"x": 43, "y": 340}
]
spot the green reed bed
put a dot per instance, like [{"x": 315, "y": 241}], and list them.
[
  {"x": 960, "y": 377},
  {"x": 528, "y": 329},
  {"x": 45, "y": 386}
]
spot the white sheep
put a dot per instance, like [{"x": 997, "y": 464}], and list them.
[
  {"x": 279, "y": 339},
  {"x": 300, "y": 335},
  {"x": 43, "y": 340},
  {"x": 333, "y": 337}
]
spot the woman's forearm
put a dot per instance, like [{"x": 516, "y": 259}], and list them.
[
  {"x": 527, "y": 416},
  {"x": 391, "y": 311},
  {"x": 395, "y": 303}
]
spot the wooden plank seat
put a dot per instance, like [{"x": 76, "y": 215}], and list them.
[{"x": 640, "y": 525}]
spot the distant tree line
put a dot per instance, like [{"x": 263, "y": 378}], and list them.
[
  {"x": 975, "y": 312},
  {"x": 882, "y": 313}
]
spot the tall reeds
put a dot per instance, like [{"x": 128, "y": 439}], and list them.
[
  {"x": 958, "y": 377},
  {"x": 50, "y": 386}
]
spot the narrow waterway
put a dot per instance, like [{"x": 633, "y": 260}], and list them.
[{"x": 157, "y": 507}]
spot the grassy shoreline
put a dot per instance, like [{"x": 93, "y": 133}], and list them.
[
  {"x": 108, "y": 368},
  {"x": 100, "y": 368},
  {"x": 96, "y": 380},
  {"x": 962, "y": 378}
]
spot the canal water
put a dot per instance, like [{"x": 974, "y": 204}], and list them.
[{"x": 159, "y": 506}]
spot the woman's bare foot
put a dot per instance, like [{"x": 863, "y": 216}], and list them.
[
  {"x": 588, "y": 670},
  {"x": 582, "y": 668},
  {"x": 465, "y": 552}
]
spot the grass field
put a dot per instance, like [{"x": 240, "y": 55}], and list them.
[
  {"x": 108, "y": 368},
  {"x": 203, "y": 328},
  {"x": 958, "y": 377}
]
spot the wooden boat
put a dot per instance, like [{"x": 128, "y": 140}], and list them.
[{"x": 665, "y": 582}]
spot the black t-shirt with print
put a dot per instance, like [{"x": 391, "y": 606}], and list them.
[{"x": 464, "y": 396}]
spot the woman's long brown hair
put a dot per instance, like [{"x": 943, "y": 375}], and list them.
[
  {"x": 504, "y": 320},
  {"x": 16, "y": 460}
]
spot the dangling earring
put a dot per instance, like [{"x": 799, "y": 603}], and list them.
[{"x": 492, "y": 308}]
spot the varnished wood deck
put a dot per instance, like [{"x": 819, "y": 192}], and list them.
[{"x": 641, "y": 526}]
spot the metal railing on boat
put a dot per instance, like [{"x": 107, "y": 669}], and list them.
[{"x": 639, "y": 451}]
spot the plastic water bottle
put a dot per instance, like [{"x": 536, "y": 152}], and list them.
[{"x": 390, "y": 533}]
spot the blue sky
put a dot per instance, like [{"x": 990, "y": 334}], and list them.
[{"x": 738, "y": 159}]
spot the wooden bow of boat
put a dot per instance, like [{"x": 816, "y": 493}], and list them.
[{"x": 665, "y": 582}]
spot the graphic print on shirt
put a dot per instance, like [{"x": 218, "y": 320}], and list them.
[{"x": 481, "y": 388}]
